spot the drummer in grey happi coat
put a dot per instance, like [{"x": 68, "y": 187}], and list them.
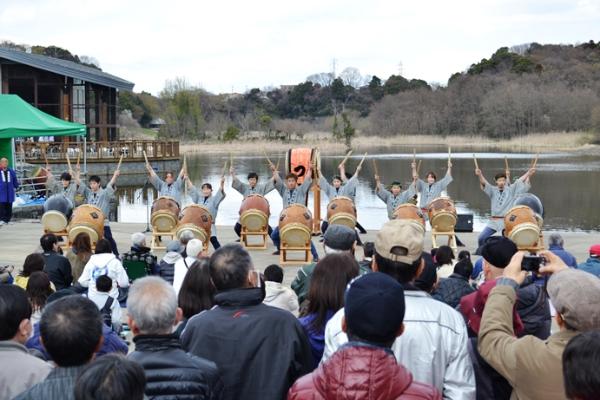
[
  {"x": 65, "y": 185},
  {"x": 338, "y": 188},
  {"x": 170, "y": 186},
  {"x": 431, "y": 189},
  {"x": 393, "y": 197},
  {"x": 206, "y": 198}
]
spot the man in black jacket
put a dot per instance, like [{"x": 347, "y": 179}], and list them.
[
  {"x": 57, "y": 266},
  {"x": 260, "y": 350},
  {"x": 450, "y": 290},
  {"x": 170, "y": 371}
]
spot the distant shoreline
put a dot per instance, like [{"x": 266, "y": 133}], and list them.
[{"x": 543, "y": 143}]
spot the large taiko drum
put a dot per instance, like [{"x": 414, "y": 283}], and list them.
[
  {"x": 165, "y": 214},
  {"x": 298, "y": 161},
  {"x": 88, "y": 219},
  {"x": 341, "y": 211},
  {"x": 532, "y": 201},
  {"x": 442, "y": 214},
  {"x": 295, "y": 225},
  {"x": 254, "y": 213},
  {"x": 522, "y": 227},
  {"x": 409, "y": 211},
  {"x": 196, "y": 219},
  {"x": 57, "y": 212}
]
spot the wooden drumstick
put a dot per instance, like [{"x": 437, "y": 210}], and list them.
[
  {"x": 506, "y": 163},
  {"x": 449, "y": 153},
  {"x": 475, "y": 160},
  {"x": 120, "y": 161},
  {"x": 346, "y": 158},
  {"x": 145, "y": 157},
  {"x": 362, "y": 161},
  {"x": 224, "y": 168},
  {"x": 78, "y": 155},
  {"x": 534, "y": 164},
  {"x": 68, "y": 160},
  {"x": 419, "y": 166},
  {"x": 375, "y": 168}
]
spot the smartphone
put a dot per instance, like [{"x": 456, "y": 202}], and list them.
[{"x": 532, "y": 263}]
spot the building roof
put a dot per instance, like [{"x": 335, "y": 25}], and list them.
[{"x": 67, "y": 68}]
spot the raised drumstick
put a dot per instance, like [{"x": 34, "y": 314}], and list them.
[
  {"x": 506, "y": 163},
  {"x": 534, "y": 164},
  {"x": 449, "y": 153},
  {"x": 375, "y": 168},
  {"x": 346, "y": 158},
  {"x": 475, "y": 160},
  {"x": 120, "y": 161},
  {"x": 68, "y": 160},
  {"x": 362, "y": 161},
  {"x": 145, "y": 157}
]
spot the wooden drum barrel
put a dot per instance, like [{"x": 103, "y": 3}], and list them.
[
  {"x": 298, "y": 161},
  {"x": 196, "y": 219},
  {"x": 89, "y": 219},
  {"x": 522, "y": 227},
  {"x": 295, "y": 226},
  {"x": 341, "y": 211},
  {"x": 165, "y": 214},
  {"x": 57, "y": 212},
  {"x": 409, "y": 211},
  {"x": 442, "y": 214},
  {"x": 254, "y": 213}
]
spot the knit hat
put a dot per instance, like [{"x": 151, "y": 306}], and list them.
[
  {"x": 339, "y": 237},
  {"x": 174, "y": 245},
  {"x": 498, "y": 251},
  {"x": 400, "y": 240},
  {"x": 576, "y": 294},
  {"x": 374, "y": 307}
]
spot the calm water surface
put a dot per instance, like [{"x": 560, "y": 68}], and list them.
[{"x": 568, "y": 185}]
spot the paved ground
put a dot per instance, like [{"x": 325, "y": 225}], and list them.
[{"x": 22, "y": 238}]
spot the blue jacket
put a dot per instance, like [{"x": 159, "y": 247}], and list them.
[
  {"x": 592, "y": 265},
  {"x": 564, "y": 255},
  {"x": 8, "y": 186}
]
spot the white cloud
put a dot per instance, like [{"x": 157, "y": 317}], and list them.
[{"x": 245, "y": 44}]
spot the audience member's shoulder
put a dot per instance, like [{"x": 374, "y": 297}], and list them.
[
  {"x": 204, "y": 364},
  {"x": 443, "y": 310}
]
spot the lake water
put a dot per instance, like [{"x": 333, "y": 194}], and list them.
[{"x": 567, "y": 184}]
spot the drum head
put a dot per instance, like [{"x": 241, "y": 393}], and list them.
[
  {"x": 77, "y": 229},
  {"x": 444, "y": 222},
  {"x": 525, "y": 235},
  {"x": 295, "y": 235},
  {"x": 343, "y": 219},
  {"x": 253, "y": 220},
  {"x": 163, "y": 221},
  {"x": 54, "y": 221},
  {"x": 198, "y": 233}
]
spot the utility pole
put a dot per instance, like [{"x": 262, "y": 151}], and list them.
[
  {"x": 333, "y": 63},
  {"x": 400, "y": 68}
]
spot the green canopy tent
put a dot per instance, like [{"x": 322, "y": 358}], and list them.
[{"x": 20, "y": 119}]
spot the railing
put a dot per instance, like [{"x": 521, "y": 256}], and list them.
[{"x": 130, "y": 150}]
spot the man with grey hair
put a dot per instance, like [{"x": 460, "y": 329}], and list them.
[
  {"x": 184, "y": 238},
  {"x": 140, "y": 252},
  {"x": 556, "y": 244},
  {"x": 170, "y": 371},
  {"x": 261, "y": 350},
  {"x": 194, "y": 251}
]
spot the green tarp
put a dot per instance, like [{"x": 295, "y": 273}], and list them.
[{"x": 20, "y": 119}]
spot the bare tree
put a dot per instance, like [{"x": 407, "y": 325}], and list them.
[
  {"x": 322, "y": 78},
  {"x": 351, "y": 76}
]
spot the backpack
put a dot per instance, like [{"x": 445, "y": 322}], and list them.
[{"x": 106, "y": 312}]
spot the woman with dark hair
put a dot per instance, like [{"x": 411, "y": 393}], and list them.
[
  {"x": 104, "y": 262},
  {"x": 197, "y": 292},
  {"x": 444, "y": 259},
  {"x": 33, "y": 262},
  {"x": 326, "y": 296},
  {"x": 79, "y": 254},
  {"x": 111, "y": 377},
  {"x": 38, "y": 289}
]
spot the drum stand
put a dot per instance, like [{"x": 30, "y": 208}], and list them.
[
  {"x": 156, "y": 244},
  {"x": 244, "y": 234},
  {"x": 451, "y": 239},
  {"x": 284, "y": 248}
]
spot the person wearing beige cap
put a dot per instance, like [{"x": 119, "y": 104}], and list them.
[
  {"x": 434, "y": 345},
  {"x": 533, "y": 366}
]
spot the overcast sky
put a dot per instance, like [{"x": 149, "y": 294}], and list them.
[{"x": 237, "y": 45}]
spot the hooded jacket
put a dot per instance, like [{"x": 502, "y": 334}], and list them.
[
  {"x": 166, "y": 266},
  {"x": 281, "y": 296},
  {"x": 450, "y": 290},
  {"x": 361, "y": 371},
  {"x": 173, "y": 373},
  {"x": 104, "y": 264},
  {"x": 260, "y": 350}
]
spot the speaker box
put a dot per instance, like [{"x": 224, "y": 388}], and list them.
[{"x": 464, "y": 223}]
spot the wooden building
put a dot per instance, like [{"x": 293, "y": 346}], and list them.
[{"x": 66, "y": 90}]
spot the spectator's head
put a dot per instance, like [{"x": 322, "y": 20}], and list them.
[
  {"x": 500, "y": 180},
  {"x": 339, "y": 239},
  {"x": 111, "y": 377},
  {"x": 327, "y": 287},
  {"x": 65, "y": 179},
  {"x": 556, "y": 240},
  {"x": 38, "y": 289},
  {"x": 207, "y": 189},
  {"x": 496, "y": 252},
  {"x": 274, "y": 273},
  {"x": 231, "y": 268},
  {"x": 94, "y": 182},
  {"x": 82, "y": 245},
  {"x": 398, "y": 250},
  {"x": 104, "y": 284},
  {"x": 575, "y": 295},
  {"x": 444, "y": 255},
  {"x": 174, "y": 246},
  {"x": 103, "y": 247},
  {"x": 396, "y": 188},
  {"x": 185, "y": 237},
  {"x": 71, "y": 330},
  {"x": 197, "y": 290},
  {"x": 431, "y": 177},
  {"x": 464, "y": 254},
  {"x": 428, "y": 278},
  {"x": 3, "y": 163},
  {"x": 368, "y": 250},
  {"x": 49, "y": 242},
  {"x": 15, "y": 314},
  {"x": 580, "y": 363},
  {"x": 152, "y": 307},
  {"x": 336, "y": 181},
  {"x": 291, "y": 181},
  {"x": 194, "y": 248},
  {"x": 138, "y": 239},
  {"x": 595, "y": 251},
  {"x": 169, "y": 177},
  {"x": 374, "y": 309},
  {"x": 464, "y": 268},
  {"x": 252, "y": 179},
  {"x": 33, "y": 262}
]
